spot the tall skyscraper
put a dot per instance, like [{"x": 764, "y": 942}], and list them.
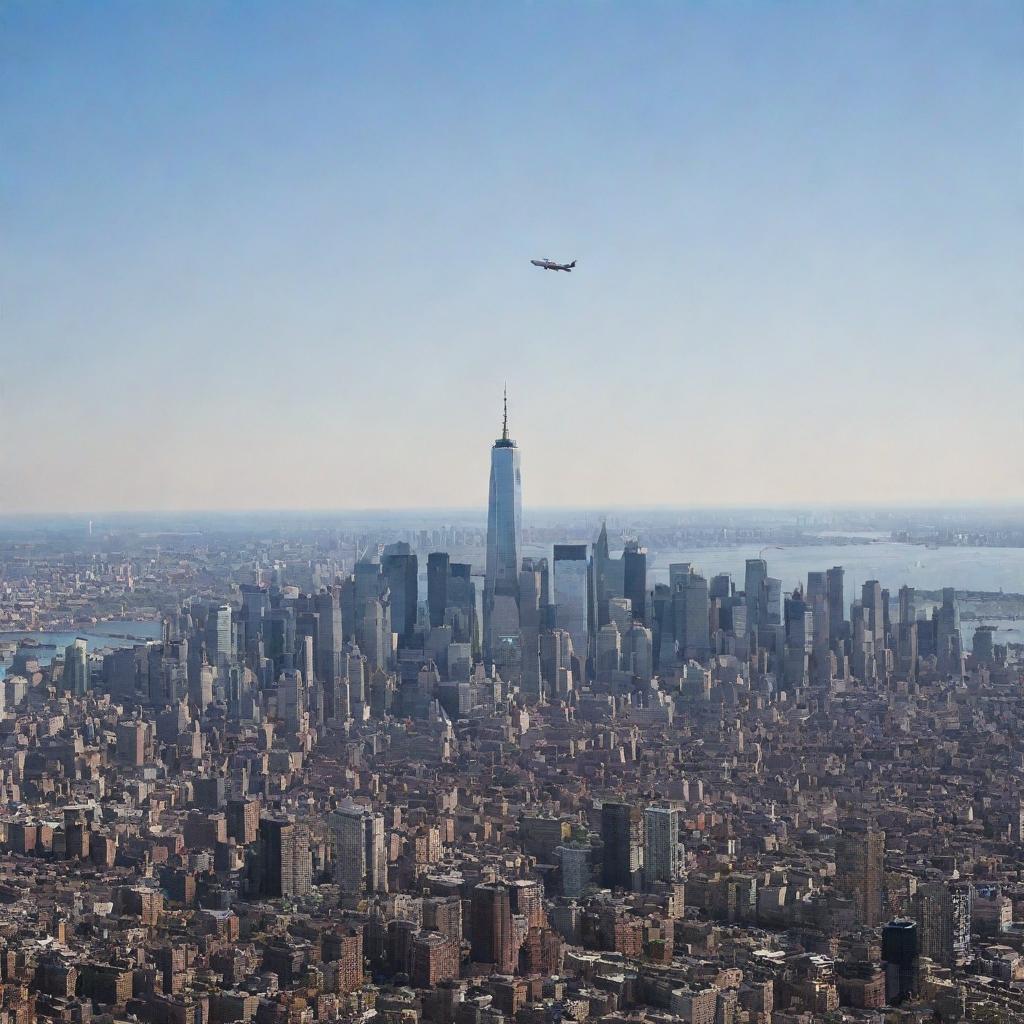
[
  {"x": 871, "y": 600},
  {"x": 799, "y": 623},
  {"x": 622, "y": 834},
  {"x": 255, "y": 604},
  {"x": 491, "y": 922},
  {"x": 663, "y": 626},
  {"x": 504, "y": 545},
  {"x": 634, "y": 578},
  {"x": 638, "y": 652},
  {"x": 556, "y": 660},
  {"x": 862, "y": 643},
  {"x": 218, "y": 634},
  {"x": 527, "y": 899},
  {"x": 602, "y": 589},
  {"x": 329, "y": 634},
  {"x": 771, "y": 602},
  {"x": 360, "y": 859},
  {"x": 438, "y": 563},
  {"x": 834, "y": 579},
  {"x": 927, "y": 633},
  {"x": 369, "y": 582},
  {"x": 860, "y": 866},
  {"x": 962, "y": 898},
  {"x": 753, "y": 587},
  {"x": 906, "y": 634},
  {"x": 899, "y": 957},
  {"x": 983, "y": 644},
  {"x": 76, "y": 667},
  {"x": 620, "y": 612},
  {"x": 691, "y": 607},
  {"x": 283, "y": 862},
  {"x": 306, "y": 652},
  {"x": 374, "y": 633},
  {"x": 572, "y": 596},
  {"x": 943, "y": 915},
  {"x": 530, "y": 585},
  {"x": 460, "y": 611},
  {"x": 661, "y": 845},
  {"x": 575, "y": 864},
  {"x": 608, "y": 653},
  {"x": 279, "y": 636},
  {"x": 243, "y": 819},
  {"x": 817, "y": 588},
  {"x": 907, "y": 612},
  {"x": 401, "y": 571},
  {"x": 120, "y": 673},
  {"x": 720, "y": 587},
  {"x": 292, "y": 700},
  {"x": 948, "y": 639},
  {"x": 817, "y": 601}
]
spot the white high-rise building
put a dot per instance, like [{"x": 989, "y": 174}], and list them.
[
  {"x": 662, "y": 852},
  {"x": 218, "y": 634},
  {"x": 638, "y": 651}
]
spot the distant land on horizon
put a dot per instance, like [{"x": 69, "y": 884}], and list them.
[{"x": 1008, "y": 509}]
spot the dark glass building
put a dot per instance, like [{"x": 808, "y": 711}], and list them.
[
  {"x": 622, "y": 834},
  {"x": 634, "y": 579},
  {"x": 899, "y": 955},
  {"x": 438, "y": 563}
]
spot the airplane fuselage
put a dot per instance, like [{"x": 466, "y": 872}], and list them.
[{"x": 552, "y": 265}]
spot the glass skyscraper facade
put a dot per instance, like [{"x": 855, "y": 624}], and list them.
[
  {"x": 504, "y": 546},
  {"x": 571, "y": 594}
]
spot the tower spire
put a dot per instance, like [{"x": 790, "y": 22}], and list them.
[{"x": 504, "y": 417}]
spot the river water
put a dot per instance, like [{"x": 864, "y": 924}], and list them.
[
  {"x": 892, "y": 564},
  {"x": 102, "y": 634}
]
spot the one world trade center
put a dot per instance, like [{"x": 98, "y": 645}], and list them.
[{"x": 504, "y": 546}]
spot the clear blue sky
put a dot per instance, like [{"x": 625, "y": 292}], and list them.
[{"x": 276, "y": 254}]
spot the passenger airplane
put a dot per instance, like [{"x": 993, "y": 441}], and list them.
[{"x": 552, "y": 265}]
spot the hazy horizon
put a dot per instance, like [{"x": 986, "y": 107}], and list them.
[
  {"x": 261, "y": 254},
  {"x": 480, "y": 511}
]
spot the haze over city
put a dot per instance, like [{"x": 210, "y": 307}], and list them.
[
  {"x": 511, "y": 512},
  {"x": 271, "y": 255}
]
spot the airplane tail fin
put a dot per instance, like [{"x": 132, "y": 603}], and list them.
[{"x": 573, "y": 264}]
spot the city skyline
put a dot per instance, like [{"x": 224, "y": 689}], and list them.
[
  {"x": 395, "y": 632},
  {"x": 621, "y": 771},
  {"x": 797, "y": 231}
]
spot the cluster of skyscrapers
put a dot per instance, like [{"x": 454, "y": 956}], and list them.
[
  {"x": 568, "y": 790},
  {"x": 587, "y": 617},
  {"x": 590, "y": 617}
]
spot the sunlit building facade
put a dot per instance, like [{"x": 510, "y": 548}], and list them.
[{"x": 504, "y": 546}]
